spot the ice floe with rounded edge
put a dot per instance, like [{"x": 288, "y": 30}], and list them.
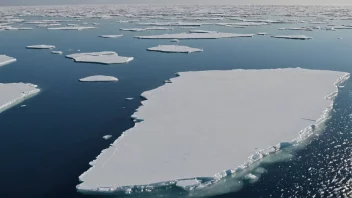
[
  {"x": 133, "y": 29},
  {"x": 56, "y": 52},
  {"x": 297, "y": 37},
  {"x": 4, "y": 60},
  {"x": 106, "y": 137},
  {"x": 262, "y": 33},
  {"x": 174, "y": 40},
  {"x": 174, "y": 49},
  {"x": 278, "y": 97},
  {"x": 99, "y": 78},
  {"x": 111, "y": 36},
  {"x": 105, "y": 57},
  {"x": 298, "y": 28},
  {"x": 171, "y": 24},
  {"x": 14, "y": 93},
  {"x": 71, "y": 28},
  {"x": 40, "y": 47},
  {"x": 195, "y": 36},
  {"x": 18, "y": 28}
]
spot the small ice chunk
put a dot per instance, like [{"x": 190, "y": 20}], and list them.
[
  {"x": 40, "y": 47},
  {"x": 132, "y": 29},
  {"x": 174, "y": 40},
  {"x": 174, "y": 49},
  {"x": 262, "y": 33},
  {"x": 251, "y": 177},
  {"x": 297, "y": 37},
  {"x": 106, "y": 57},
  {"x": 56, "y": 52},
  {"x": 187, "y": 184},
  {"x": 22, "y": 106},
  {"x": 106, "y": 137},
  {"x": 111, "y": 36},
  {"x": 4, "y": 60},
  {"x": 129, "y": 98},
  {"x": 202, "y": 31},
  {"x": 99, "y": 78}
]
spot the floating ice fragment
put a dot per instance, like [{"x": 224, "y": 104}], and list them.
[
  {"x": 195, "y": 36},
  {"x": 40, "y": 47},
  {"x": 133, "y": 29},
  {"x": 202, "y": 31},
  {"x": 99, "y": 78},
  {"x": 262, "y": 33},
  {"x": 14, "y": 93},
  {"x": 111, "y": 36},
  {"x": 174, "y": 49},
  {"x": 71, "y": 28},
  {"x": 106, "y": 57},
  {"x": 56, "y": 52},
  {"x": 297, "y": 37},
  {"x": 106, "y": 137},
  {"x": 129, "y": 98},
  {"x": 4, "y": 60},
  {"x": 174, "y": 40}
]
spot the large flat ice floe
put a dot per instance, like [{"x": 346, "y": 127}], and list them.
[
  {"x": 174, "y": 49},
  {"x": 99, "y": 78},
  {"x": 71, "y": 28},
  {"x": 4, "y": 60},
  {"x": 214, "y": 35},
  {"x": 14, "y": 93},
  {"x": 106, "y": 57},
  {"x": 207, "y": 124}
]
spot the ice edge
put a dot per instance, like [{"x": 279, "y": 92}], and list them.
[{"x": 206, "y": 181}]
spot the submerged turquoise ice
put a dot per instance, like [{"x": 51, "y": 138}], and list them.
[{"x": 61, "y": 129}]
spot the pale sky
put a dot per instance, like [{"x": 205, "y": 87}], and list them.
[{"x": 63, "y": 2}]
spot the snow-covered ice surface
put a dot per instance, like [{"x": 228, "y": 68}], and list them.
[
  {"x": 197, "y": 126},
  {"x": 99, "y": 78},
  {"x": 174, "y": 49},
  {"x": 105, "y": 57},
  {"x": 40, "y": 47},
  {"x": 216, "y": 35},
  {"x": 4, "y": 60},
  {"x": 14, "y": 93},
  {"x": 297, "y": 37},
  {"x": 111, "y": 36}
]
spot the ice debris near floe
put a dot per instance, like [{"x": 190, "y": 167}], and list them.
[
  {"x": 106, "y": 57},
  {"x": 129, "y": 98},
  {"x": 300, "y": 28},
  {"x": 14, "y": 93},
  {"x": 106, "y": 137},
  {"x": 99, "y": 78},
  {"x": 202, "y": 31},
  {"x": 4, "y": 60},
  {"x": 174, "y": 49},
  {"x": 174, "y": 40},
  {"x": 145, "y": 29},
  {"x": 262, "y": 33},
  {"x": 216, "y": 35},
  {"x": 56, "y": 52},
  {"x": 111, "y": 36},
  {"x": 297, "y": 37},
  {"x": 158, "y": 149},
  {"x": 40, "y": 47}
]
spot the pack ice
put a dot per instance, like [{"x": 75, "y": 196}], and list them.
[{"x": 207, "y": 124}]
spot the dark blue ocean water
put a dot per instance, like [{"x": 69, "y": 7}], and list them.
[{"x": 47, "y": 145}]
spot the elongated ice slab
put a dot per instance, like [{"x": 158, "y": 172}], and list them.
[
  {"x": 71, "y": 28},
  {"x": 216, "y": 35},
  {"x": 99, "y": 78},
  {"x": 297, "y": 37},
  {"x": 106, "y": 57},
  {"x": 111, "y": 36},
  {"x": 174, "y": 49},
  {"x": 40, "y": 47},
  {"x": 56, "y": 52},
  {"x": 207, "y": 124},
  {"x": 4, "y": 60},
  {"x": 14, "y": 93}
]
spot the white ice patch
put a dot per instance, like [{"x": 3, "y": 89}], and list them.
[
  {"x": 297, "y": 37},
  {"x": 106, "y": 57},
  {"x": 111, "y": 36},
  {"x": 4, "y": 60},
  {"x": 195, "y": 36},
  {"x": 56, "y": 52},
  {"x": 40, "y": 47},
  {"x": 198, "y": 126},
  {"x": 71, "y": 28},
  {"x": 14, "y": 93},
  {"x": 174, "y": 49},
  {"x": 99, "y": 78}
]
